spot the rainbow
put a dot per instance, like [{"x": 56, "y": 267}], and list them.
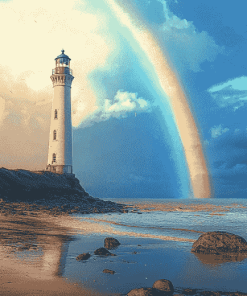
[{"x": 171, "y": 88}]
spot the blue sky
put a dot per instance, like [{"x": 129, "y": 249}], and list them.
[{"x": 125, "y": 140}]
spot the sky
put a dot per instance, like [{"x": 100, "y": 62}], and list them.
[{"x": 130, "y": 137}]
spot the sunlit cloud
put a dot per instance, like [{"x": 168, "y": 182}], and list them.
[
  {"x": 120, "y": 106},
  {"x": 36, "y": 32}
]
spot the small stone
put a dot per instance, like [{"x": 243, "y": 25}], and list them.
[
  {"x": 111, "y": 243},
  {"x": 109, "y": 271},
  {"x": 189, "y": 291},
  {"x": 83, "y": 256},
  {"x": 102, "y": 251},
  {"x": 210, "y": 293}
]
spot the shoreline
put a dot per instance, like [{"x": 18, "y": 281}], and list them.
[{"x": 43, "y": 232}]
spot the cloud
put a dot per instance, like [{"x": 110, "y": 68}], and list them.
[
  {"x": 34, "y": 34},
  {"x": 122, "y": 104},
  {"x": 217, "y": 131},
  {"x": 187, "y": 47},
  {"x": 231, "y": 93}
]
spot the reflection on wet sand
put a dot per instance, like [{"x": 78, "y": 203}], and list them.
[
  {"x": 32, "y": 255},
  {"x": 214, "y": 259}
]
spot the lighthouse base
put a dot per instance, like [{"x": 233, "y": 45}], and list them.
[{"x": 59, "y": 169}]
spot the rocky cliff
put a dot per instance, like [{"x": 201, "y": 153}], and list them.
[
  {"x": 26, "y": 185},
  {"x": 49, "y": 188}
]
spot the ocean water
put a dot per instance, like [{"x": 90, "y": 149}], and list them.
[{"x": 156, "y": 245}]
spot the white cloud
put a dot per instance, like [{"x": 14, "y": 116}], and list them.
[
  {"x": 187, "y": 47},
  {"x": 217, "y": 131},
  {"x": 122, "y": 104},
  {"x": 230, "y": 93},
  {"x": 32, "y": 35}
]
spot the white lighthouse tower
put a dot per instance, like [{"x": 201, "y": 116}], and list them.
[{"x": 60, "y": 141}]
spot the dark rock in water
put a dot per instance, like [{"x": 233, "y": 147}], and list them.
[
  {"x": 108, "y": 271},
  {"x": 111, "y": 243},
  {"x": 189, "y": 291},
  {"x": 102, "y": 251},
  {"x": 218, "y": 242},
  {"x": 83, "y": 256},
  {"x": 145, "y": 292},
  {"x": 164, "y": 285}
]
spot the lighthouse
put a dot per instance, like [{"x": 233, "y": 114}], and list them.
[{"x": 60, "y": 140}]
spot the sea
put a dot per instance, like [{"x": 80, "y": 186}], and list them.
[{"x": 156, "y": 244}]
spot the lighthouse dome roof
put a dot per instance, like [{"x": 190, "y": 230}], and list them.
[{"x": 62, "y": 56}]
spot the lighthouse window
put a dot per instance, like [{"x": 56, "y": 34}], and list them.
[
  {"x": 53, "y": 157},
  {"x": 55, "y": 114},
  {"x": 54, "y": 135}
]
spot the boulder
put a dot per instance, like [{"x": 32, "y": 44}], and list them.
[
  {"x": 111, "y": 243},
  {"x": 145, "y": 292},
  {"x": 102, "y": 251},
  {"x": 108, "y": 271},
  {"x": 83, "y": 256},
  {"x": 164, "y": 285},
  {"x": 218, "y": 242}
]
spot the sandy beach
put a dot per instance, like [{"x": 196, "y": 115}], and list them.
[
  {"x": 35, "y": 243},
  {"x": 34, "y": 232}
]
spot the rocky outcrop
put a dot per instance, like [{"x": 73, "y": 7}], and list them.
[
  {"x": 27, "y": 185},
  {"x": 111, "y": 243},
  {"x": 218, "y": 242},
  {"x": 61, "y": 193},
  {"x": 164, "y": 285}
]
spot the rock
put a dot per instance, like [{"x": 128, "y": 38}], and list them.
[
  {"x": 102, "y": 251},
  {"x": 218, "y": 242},
  {"x": 210, "y": 293},
  {"x": 189, "y": 291},
  {"x": 83, "y": 256},
  {"x": 111, "y": 243},
  {"x": 145, "y": 292},
  {"x": 164, "y": 285},
  {"x": 108, "y": 271}
]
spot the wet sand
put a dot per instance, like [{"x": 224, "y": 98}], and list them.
[
  {"x": 41, "y": 234},
  {"x": 37, "y": 233}
]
